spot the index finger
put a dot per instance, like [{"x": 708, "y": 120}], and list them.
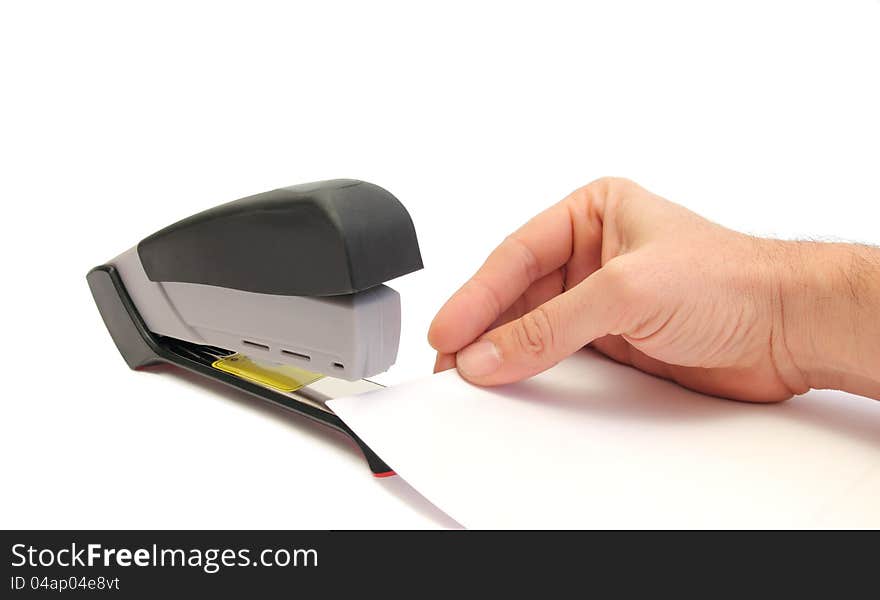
[{"x": 539, "y": 247}]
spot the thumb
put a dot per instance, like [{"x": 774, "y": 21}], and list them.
[{"x": 544, "y": 336}]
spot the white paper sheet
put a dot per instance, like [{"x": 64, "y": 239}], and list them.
[{"x": 595, "y": 444}]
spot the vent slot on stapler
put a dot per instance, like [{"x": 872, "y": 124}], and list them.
[
  {"x": 255, "y": 345},
  {"x": 296, "y": 354}
]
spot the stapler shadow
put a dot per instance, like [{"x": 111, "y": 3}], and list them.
[{"x": 280, "y": 295}]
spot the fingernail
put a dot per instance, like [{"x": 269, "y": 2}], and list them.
[{"x": 479, "y": 359}]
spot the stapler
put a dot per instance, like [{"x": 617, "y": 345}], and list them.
[{"x": 280, "y": 295}]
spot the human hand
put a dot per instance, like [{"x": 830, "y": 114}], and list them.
[{"x": 650, "y": 284}]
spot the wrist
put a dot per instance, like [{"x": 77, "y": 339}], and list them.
[{"x": 829, "y": 311}]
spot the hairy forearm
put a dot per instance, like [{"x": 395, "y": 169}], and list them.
[{"x": 829, "y": 305}]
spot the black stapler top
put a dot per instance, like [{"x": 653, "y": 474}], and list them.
[{"x": 316, "y": 239}]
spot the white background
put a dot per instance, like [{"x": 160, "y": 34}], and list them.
[{"x": 117, "y": 120}]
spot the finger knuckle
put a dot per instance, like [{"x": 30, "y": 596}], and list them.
[
  {"x": 610, "y": 193},
  {"x": 530, "y": 264},
  {"x": 622, "y": 280},
  {"x": 611, "y": 183},
  {"x": 490, "y": 295},
  {"x": 534, "y": 332}
]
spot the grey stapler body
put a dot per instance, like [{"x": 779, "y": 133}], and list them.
[{"x": 350, "y": 336}]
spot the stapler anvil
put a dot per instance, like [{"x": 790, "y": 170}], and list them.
[{"x": 279, "y": 294}]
